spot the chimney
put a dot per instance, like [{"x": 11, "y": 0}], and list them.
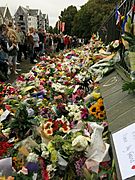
[{"x": 27, "y": 7}]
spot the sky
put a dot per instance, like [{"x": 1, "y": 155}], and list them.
[{"x": 51, "y": 7}]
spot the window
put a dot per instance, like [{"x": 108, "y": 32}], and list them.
[{"x": 21, "y": 18}]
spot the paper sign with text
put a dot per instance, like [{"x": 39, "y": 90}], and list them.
[{"x": 124, "y": 142}]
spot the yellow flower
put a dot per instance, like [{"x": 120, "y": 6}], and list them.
[
  {"x": 93, "y": 109},
  {"x": 61, "y": 73},
  {"x": 101, "y": 115},
  {"x": 100, "y": 107},
  {"x": 95, "y": 95},
  {"x": 100, "y": 101},
  {"x": 54, "y": 156}
]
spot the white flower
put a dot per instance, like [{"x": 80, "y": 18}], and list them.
[
  {"x": 45, "y": 154},
  {"x": 6, "y": 132},
  {"x": 77, "y": 116},
  {"x": 32, "y": 157},
  {"x": 80, "y": 143},
  {"x": 50, "y": 168}
]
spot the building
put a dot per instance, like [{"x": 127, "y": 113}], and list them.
[
  {"x": 5, "y": 15},
  {"x": 30, "y": 18},
  {"x": 46, "y": 22},
  {"x": 21, "y": 18}
]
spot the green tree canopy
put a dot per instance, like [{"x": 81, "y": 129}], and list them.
[
  {"x": 90, "y": 17},
  {"x": 67, "y": 16}
]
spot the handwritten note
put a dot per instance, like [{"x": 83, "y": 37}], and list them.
[{"x": 124, "y": 142}]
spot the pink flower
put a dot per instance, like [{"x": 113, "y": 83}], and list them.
[{"x": 84, "y": 113}]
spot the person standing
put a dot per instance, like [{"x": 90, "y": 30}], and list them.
[
  {"x": 21, "y": 41},
  {"x": 12, "y": 47}
]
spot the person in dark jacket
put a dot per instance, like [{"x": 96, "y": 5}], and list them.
[{"x": 4, "y": 66}]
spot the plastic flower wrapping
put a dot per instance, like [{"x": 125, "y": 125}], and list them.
[{"x": 52, "y": 120}]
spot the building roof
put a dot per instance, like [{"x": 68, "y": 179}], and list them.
[
  {"x": 2, "y": 10},
  {"x": 25, "y": 10},
  {"x": 33, "y": 12}
]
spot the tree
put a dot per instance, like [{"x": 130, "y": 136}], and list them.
[
  {"x": 67, "y": 16},
  {"x": 90, "y": 17}
]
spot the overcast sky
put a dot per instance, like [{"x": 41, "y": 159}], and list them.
[{"x": 51, "y": 7}]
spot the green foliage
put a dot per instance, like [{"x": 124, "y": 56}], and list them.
[
  {"x": 129, "y": 86},
  {"x": 90, "y": 17},
  {"x": 21, "y": 123},
  {"x": 21, "y": 176},
  {"x": 130, "y": 38}
]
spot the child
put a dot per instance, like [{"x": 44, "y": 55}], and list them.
[{"x": 12, "y": 47}]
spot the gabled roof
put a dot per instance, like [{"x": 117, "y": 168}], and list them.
[
  {"x": 2, "y": 10},
  {"x": 24, "y": 9},
  {"x": 34, "y": 12}
]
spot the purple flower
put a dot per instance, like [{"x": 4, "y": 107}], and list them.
[
  {"x": 32, "y": 167},
  {"x": 78, "y": 165}
]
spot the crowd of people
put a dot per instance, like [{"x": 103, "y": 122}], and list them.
[{"x": 16, "y": 45}]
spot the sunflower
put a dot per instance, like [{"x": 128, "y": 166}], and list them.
[
  {"x": 100, "y": 107},
  {"x": 100, "y": 101},
  {"x": 101, "y": 115},
  {"x": 93, "y": 109}
]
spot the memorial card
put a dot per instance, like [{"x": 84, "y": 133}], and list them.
[{"x": 124, "y": 142}]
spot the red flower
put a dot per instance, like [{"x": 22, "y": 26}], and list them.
[{"x": 4, "y": 147}]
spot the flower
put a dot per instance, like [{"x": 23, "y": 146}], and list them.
[
  {"x": 48, "y": 132},
  {"x": 48, "y": 124},
  {"x": 84, "y": 113},
  {"x": 95, "y": 95},
  {"x": 101, "y": 115},
  {"x": 32, "y": 167},
  {"x": 92, "y": 109},
  {"x": 80, "y": 143},
  {"x": 100, "y": 101},
  {"x": 32, "y": 157},
  {"x": 1, "y": 111},
  {"x": 64, "y": 129}
]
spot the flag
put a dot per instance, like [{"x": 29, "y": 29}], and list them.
[
  {"x": 123, "y": 23},
  {"x": 59, "y": 25},
  {"x": 117, "y": 16},
  {"x": 63, "y": 27}
]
